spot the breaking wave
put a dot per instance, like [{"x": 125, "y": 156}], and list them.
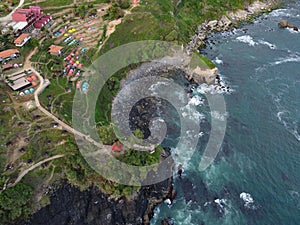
[
  {"x": 248, "y": 200},
  {"x": 247, "y": 39},
  {"x": 251, "y": 42}
]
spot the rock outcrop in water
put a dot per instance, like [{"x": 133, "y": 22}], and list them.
[
  {"x": 167, "y": 221},
  {"x": 200, "y": 75},
  {"x": 285, "y": 24}
]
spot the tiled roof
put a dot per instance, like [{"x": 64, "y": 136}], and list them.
[
  {"x": 55, "y": 49},
  {"x": 7, "y": 53},
  {"x": 20, "y": 39}
]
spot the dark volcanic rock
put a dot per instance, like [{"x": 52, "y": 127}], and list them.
[
  {"x": 69, "y": 205},
  {"x": 167, "y": 221}
]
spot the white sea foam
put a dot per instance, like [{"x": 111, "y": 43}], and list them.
[
  {"x": 283, "y": 118},
  {"x": 280, "y": 13},
  {"x": 247, "y": 39},
  {"x": 279, "y": 115},
  {"x": 220, "y": 202},
  {"x": 189, "y": 110},
  {"x": 168, "y": 202},
  {"x": 248, "y": 200},
  {"x": 295, "y": 133},
  {"x": 157, "y": 86},
  {"x": 251, "y": 42},
  {"x": 293, "y": 58},
  {"x": 217, "y": 115},
  {"x": 192, "y": 115},
  {"x": 294, "y": 194},
  {"x": 291, "y": 30},
  {"x": 211, "y": 89},
  {"x": 270, "y": 45},
  {"x": 218, "y": 61},
  {"x": 156, "y": 214},
  {"x": 196, "y": 100},
  {"x": 201, "y": 134}
]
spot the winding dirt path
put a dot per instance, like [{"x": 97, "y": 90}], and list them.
[
  {"x": 32, "y": 168},
  {"x": 45, "y": 83}
]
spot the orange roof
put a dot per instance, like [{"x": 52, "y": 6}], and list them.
[
  {"x": 55, "y": 49},
  {"x": 20, "y": 39},
  {"x": 33, "y": 77},
  {"x": 7, "y": 53}
]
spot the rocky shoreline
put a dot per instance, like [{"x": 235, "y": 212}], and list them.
[
  {"x": 226, "y": 22},
  {"x": 70, "y": 205}
]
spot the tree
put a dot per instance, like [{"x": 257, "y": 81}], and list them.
[
  {"x": 34, "y": 42},
  {"x": 93, "y": 12},
  {"x": 15, "y": 203},
  {"x": 115, "y": 12},
  {"x": 11, "y": 82},
  {"x": 107, "y": 135},
  {"x": 124, "y": 4},
  {"x": 139, "y": 134}
]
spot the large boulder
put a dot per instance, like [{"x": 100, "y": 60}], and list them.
[
  {"x": 225, "y": 21},
  {"x": 203, "y": 75},
  {"x": 212, "y": 24},
  {"x": 286, "y": 24},
  {"x": 283, "y": 23}
]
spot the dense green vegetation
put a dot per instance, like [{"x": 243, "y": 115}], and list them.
[
  {"x": 54, "y": 3},
  {"x": 107, "y": 135},
  {"x": 15, "y": 203},
  {"x": 169, "y": 20},
  {"x": 138, "y": 158}
]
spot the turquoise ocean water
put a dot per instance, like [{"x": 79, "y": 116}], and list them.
[{"x": 256, "y": 176}]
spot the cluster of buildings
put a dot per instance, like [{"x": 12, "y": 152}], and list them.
[
  {"x": 25, "y": 20},
  {"x": 20, "y": 81}
]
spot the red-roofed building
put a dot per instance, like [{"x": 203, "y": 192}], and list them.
[
  {"x": 55, "y": 50},
  {"x": 27, "y": 15},
  {"x": 29, "y": 19},
  {"x": 22, "y": 40},
  {"x": 9, "y": 54},
  {"x": 117, "y": 147},
  {"x": 42, "y": 22}
]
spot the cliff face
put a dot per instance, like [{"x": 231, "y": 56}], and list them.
[
  {"x": 200, "y": 75},
  {"x": 69, "y": 205}
]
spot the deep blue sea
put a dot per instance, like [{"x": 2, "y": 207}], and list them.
[{"x": 256, "y": 176}]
